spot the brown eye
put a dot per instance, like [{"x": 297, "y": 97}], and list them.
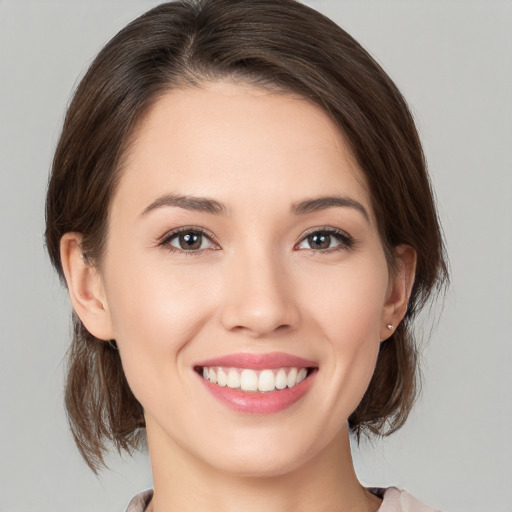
[
  {"x": 326, "y": 240},
  {"x": 319, "y": 240},
  {"x": 189, "y": 241}
]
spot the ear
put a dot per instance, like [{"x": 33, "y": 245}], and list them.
[
  {"x": 399, "y": 290},
  {"x": 86, "y": 288}
]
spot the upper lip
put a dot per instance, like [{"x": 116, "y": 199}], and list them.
[{"x": 258, "y": 361}]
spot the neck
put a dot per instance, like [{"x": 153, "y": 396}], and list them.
[{"x": 327, "y": 482}]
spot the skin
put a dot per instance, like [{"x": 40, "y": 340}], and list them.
[{"x": 256, "y": 285}]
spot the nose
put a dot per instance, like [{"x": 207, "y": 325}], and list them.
[{"x": 258, "y": 296}]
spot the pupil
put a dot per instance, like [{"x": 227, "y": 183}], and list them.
[
  {"x": 190, "y": 241},
  {"x": 320, "y": 241}
]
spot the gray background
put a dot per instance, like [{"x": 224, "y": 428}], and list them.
[{"x": 453, "y": 62}]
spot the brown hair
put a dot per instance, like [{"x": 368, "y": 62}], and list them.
[{"x": 277, "y": 44}]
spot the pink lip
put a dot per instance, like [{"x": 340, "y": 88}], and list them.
[
  {"x": 257, "y": 402},
  {"x": 259, "y": 361}
]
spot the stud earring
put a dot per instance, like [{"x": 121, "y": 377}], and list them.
[{"x": 390, "y": 327}]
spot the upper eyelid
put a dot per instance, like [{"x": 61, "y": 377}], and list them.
[
  {"x": 174, "y": 232},
  {"x": 345, "y": 239},
  {"x": 165, "y": 241},
  {"x": 325, "y": 229}
]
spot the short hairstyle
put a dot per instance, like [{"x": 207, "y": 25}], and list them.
[{"x": 288, "y": 48}]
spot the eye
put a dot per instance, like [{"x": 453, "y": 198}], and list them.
[
  {"x": 188, "y": 240},
  {"x": 326, "y": 240}
]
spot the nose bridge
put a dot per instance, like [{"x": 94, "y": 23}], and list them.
[{"x": 258, "y": 296}]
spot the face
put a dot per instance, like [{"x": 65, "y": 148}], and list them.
[{"x": 244, "y": 279}]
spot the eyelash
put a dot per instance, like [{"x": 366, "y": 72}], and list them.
[
  {"x": 346, "y": 242},
  {"x": 167, "y": 239}
]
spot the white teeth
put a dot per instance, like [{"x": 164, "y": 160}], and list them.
[
  {"x": 212, "y": 377},
  {"x": 267, "y": 381},
  {"x": 222, "y": 378},
  {"x": 233, "y": 379},
  {"x": 291, "y": 380},
  {"x": 255, "y": 380},
  {"x": 248, "y": 380},
  {"x": 281, "y": 381},
  {"x": 302, "y": 375}
]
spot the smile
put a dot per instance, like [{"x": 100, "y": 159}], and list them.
[
  {"x": 250, "y": 380},
  {"x": 257, "y": 383}
]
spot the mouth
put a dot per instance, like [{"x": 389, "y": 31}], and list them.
[
  {"x": 257, "y": 383},
  {"x": 251, "y": 380}
]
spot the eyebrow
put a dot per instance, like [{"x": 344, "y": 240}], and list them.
[
  {"x": 198, "y": 204},
  {"x": 211, "y": 206},
  {"x": 324, "y": 202}
]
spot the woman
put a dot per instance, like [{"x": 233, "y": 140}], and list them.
[{"x": 240, "y": 209}]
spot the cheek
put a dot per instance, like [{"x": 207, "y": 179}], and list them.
[
  {"x": 348, "y": 316},
  {"x": 349, "y": 302},
  {"x": 154, "y": 316},
  {"x": 146, "y": 294}
]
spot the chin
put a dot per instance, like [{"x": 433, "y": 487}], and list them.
[{"x": 267, "y": 454}]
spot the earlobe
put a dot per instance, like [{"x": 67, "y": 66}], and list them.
[
  {"x": 86, "y": 288},
  {"x": 399, "y": 291}
]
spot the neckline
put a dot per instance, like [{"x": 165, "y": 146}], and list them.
[{"x": 143, "y": 499}]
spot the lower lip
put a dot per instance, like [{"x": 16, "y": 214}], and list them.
[{"x": 256, "y": 402}]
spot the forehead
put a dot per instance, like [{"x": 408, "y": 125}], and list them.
[{"x": 235, "y": 140}]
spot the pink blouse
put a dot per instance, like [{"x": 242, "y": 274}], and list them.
[{"x": 393, "y": 500}]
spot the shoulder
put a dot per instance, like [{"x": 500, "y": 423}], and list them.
[
  {"x": 395, "y": 500},
  {"x": 140, "y": 502}
]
